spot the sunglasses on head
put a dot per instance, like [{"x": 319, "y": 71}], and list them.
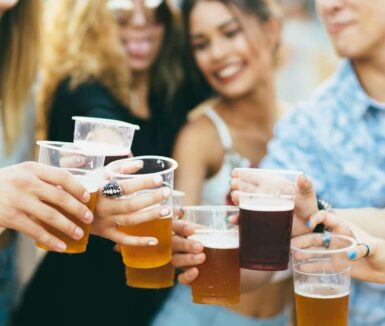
[{"x": 149, "y": 7}]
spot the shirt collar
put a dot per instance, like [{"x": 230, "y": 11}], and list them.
[{"x": 352, "y": 94}]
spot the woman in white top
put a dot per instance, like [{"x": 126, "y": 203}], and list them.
[{"x": 233, "y": 46}]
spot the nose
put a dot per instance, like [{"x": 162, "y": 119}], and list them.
[
  {"x": 138, "y": 16},
  {"x": 218, "y": 50}
]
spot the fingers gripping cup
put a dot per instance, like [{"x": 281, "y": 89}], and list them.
[
  {"x": 158, "y": 277},
  {"x": 159, "y": 254},
  {"x": 112, "y": 138},
  {"x": 266, "y": 201},
  {"x": 321, "y": 279},
  {"x": 218, "y": 281},
  {"x": 81, "y": 164}
]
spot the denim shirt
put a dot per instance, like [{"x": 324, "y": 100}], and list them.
[{"x": 337, "y": 137}]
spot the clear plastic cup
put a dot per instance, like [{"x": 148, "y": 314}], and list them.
[
  {"x": 218, "y": 281},
  {"x": 158, "y": 277},
  {"x": 266, "y": 202},
  {"x": 321, "y": 279},
  {"x": 112, "y": 138},
  {"x": 83, "y": 166},
  {"x": 160, "y": 254}
]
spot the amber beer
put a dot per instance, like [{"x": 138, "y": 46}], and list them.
[
  {"x": 264, "y": 234},
  {"x": 150, "y": 278},
  {"x": 322, "y": 305},
  {"x": 149, "y": 256},
  {"x": 75, "y": 246},
  {"x": 219, "y": 276}
]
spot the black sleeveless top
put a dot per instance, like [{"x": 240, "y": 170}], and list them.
[{"x": 89, "y": 288}]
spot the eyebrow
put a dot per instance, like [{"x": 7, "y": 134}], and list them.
[{"x": 220, "y": 27}]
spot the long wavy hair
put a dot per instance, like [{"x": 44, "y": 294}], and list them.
[
  {"x": 82, "y": 44},
  {"x": 262, "y": 10},
  {"x": 19, "y": 50}
]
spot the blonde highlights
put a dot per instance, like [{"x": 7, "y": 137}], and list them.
[
  {"x": 19, "y": 44},
  {"x": 81, "y": 44}
]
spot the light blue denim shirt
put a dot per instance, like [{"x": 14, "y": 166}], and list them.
[{"x": 337, "y": 137}]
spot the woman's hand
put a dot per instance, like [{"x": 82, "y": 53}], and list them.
[
  {"x": 368, "y": 255},
  {"x": 186, "y": 253},
  {"x": 113, "y": 214},
  {"x": 32, "y": 193}
]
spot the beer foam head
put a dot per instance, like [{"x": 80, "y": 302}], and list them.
[
  {"x": 265, "y": 203},
  {"x": 217, "y": 239},
  {"x": 321, "y": 291}
]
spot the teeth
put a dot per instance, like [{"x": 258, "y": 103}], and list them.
[{"x": 228, "y": 71}]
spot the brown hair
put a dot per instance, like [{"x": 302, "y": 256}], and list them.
[{"x": 19, "y": 43}]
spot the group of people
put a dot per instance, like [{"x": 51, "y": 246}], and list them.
[{"x": 142, "y": 62}]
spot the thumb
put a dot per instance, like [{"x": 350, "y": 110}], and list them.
[{"x": 306, "y": 200}]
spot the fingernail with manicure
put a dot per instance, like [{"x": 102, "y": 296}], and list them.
[
  {"x": 79, "y": 233},
  {"x": 88, "y": 217},
  {"x": 198, "y": 258},
  {"x": 86, "y": 197},
  {"x": 61, "y": 246},
  {"x": 352, "y": 254}
]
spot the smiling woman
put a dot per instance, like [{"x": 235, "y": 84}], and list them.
[{"x": 232, "y": 49}]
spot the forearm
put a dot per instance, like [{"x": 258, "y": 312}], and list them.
[
  {"x": 372, "y": 220},
  {"x": 251, "y": 280}
]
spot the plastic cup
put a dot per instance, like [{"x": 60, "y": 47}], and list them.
[
  {"x": 158, "y": 277},
  {"x": 321, "y": 279},
  {"x": 266, "y": 202},
  {"x": 160, "y": 254},
  {"x": 81, "y": 164},
  {"x": 218, "y": 281},
  {"x": 112, "y": 138}
]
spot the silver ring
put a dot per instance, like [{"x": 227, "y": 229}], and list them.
[
  {"x": 112, "y": 189},
  {"x": 367, "y": 248},
  {"x": 326, "y": 238}
]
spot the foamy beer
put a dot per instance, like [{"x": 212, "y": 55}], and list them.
[
  {"x": 113, "y": 138},
  {"x": 160, "y": 254},
  {"x": 321, "y": 279},
  {"x": 158, "y": 277},
  {"x": 218, "y": 281},
  {"x": 82, "y": 164},
  {"x": 266, "y": 202}
]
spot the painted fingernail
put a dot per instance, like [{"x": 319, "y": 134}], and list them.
[
  {"x": 86, "y": 197},
  {"x": 61, "y": 246},
  {"x": 165, "y": 211},
  {"x": 308, "y": 224},
  {"x": 79, "y": 160},
  {"x": 88, "y": 217},
  {"x": 166, "y": 192},
  {"x": 352, "y": 254},
  {"x": 152, "y": 243},
  {"x": 157, "y": 179},
  {"x": 79, "y": 233}
]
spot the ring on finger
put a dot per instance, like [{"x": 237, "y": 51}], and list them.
[
  {"x": 367, "y": 248},
  {"x": 326, "y": 238},
  {"x": 112, "y": 189}
]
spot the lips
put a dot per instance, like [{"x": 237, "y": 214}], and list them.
[
  {"x": 228, "y": 72},
  {"x": 139, "y": 47},
  {"x": 337, "y": 27}
]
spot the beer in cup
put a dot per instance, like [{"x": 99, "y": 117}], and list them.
[
  {"x": 266, "y": 202},
  {"x": 218, "y": 281},
  {"x": 321, "y": 279},
  {"x": 158, "y": 277},
  {"x": 112, "y": 138},
  {"x": 159, "y": 254},
  {"x": 83, "y": 165}
]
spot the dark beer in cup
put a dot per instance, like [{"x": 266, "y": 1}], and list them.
[{"x": 264, "y": 234}]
